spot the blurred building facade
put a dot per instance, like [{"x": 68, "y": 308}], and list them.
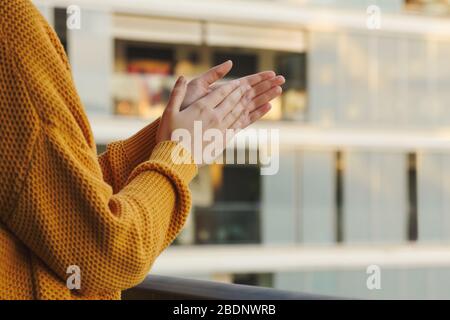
[{"x": 364, "y": 173}]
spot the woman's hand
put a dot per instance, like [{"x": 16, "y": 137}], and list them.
[
  {"x": 233, "y": 105},
  {"x": 200, "y": 86},
  {"x": 220, "y": 109},
  {"x": 264, "y": 85}
]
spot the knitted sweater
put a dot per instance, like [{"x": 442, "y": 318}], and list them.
[{"x": 60, "y": 204}]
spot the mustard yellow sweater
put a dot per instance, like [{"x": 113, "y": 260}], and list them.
[{"x": 60, "y": 204}]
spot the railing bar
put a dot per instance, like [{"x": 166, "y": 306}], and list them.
[{"x": 155, "y": 287}]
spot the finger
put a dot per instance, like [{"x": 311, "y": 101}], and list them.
[
  {"x": 231, "y": 108},
  {"x": 264, "y": 98},
  {"x": 233, "y": 116},
  {"x": 264, "y": 86},
  {"x": 258, "y": 107},
  {"x": 177, "y": 95},
  {"x": 257, "y": 78},
  {"x": 251, "y": 80},
  {"x": 259, "y": 104},
  {"x": 215, "y": 97},
  {"x": 235, "y": 98},
  {"x": 247, "y": 119},
  {"x": 215, "y": 73},
  {"x": 259, "y": 113}
]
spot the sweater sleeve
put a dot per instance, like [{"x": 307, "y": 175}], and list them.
[
  {"x": 121, "y": 157},
  {"x": 62, "y": 209},
  {"x": 68, "y": 215}
]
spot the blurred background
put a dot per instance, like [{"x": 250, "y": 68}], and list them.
[{"x": 364, "y": 126}]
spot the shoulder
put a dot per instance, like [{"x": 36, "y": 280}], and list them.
[
  {"x": 20, "y": 21},
  {"x": 13, "y": 9}
]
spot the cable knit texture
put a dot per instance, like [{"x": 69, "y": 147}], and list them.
[{"x": 60, "y": 204}]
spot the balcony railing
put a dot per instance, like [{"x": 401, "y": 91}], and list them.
[{"x": 172, "y": 288}]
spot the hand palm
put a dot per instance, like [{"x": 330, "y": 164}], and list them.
[
  {"x": 196, "y": 90},
  {"x": 265, "y": 87}
]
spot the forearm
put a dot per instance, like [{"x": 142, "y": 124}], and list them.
[
  {"x": 76, "y": 220},
  {"x": 122, "y": 157}
]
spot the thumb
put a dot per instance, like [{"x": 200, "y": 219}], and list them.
[
  {"x": 216, "y": 73},
  {"x": 177, "y": 95}
]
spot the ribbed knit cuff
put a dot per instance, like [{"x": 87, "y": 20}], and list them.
[
  {"x": 164, "y": 159},
  {"x": 139, "y": 146},
  {"x": 175, "y": 157}
]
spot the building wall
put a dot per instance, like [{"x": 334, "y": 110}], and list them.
[
  {"x": 358, "y": 79},
  {"x": 387, "y": 5}
]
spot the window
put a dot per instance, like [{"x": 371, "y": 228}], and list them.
[
  {"x": 437, "y": 7},
  {"x": 243, "y": 63},
  {"x": 234, "y": 217},
  {"x": 60, "y": 18},
  {"x": 293, "y": 67},
  {"x": 145, "y": 74}
]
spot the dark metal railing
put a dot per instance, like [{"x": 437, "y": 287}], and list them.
[{"x": 171, "y": 288}]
